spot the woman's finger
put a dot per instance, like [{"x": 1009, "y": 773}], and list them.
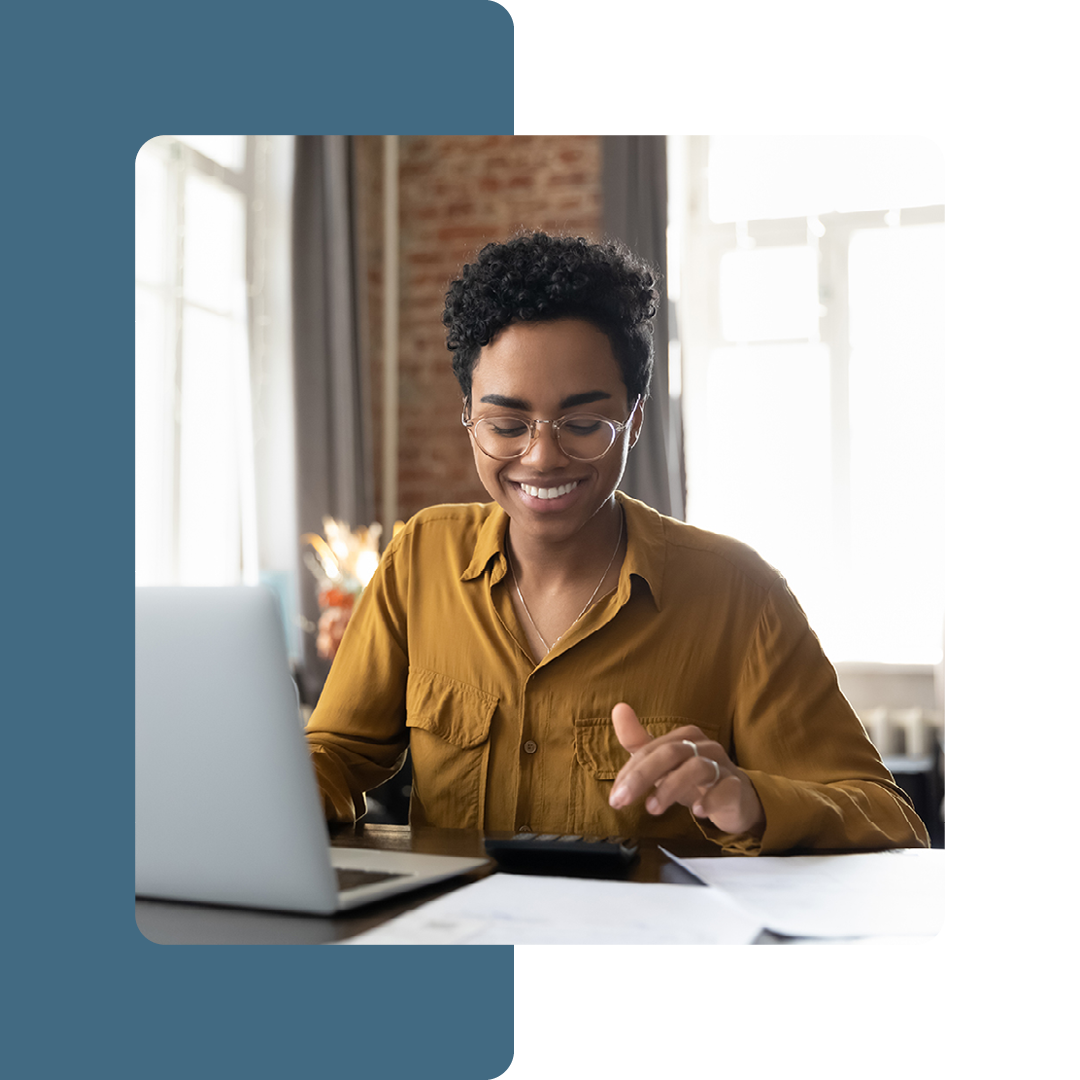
[
  {"x": 726, "y": 795},
  {"x": 688, "y": 784},
  {"x": 647, "y": 769},
  {"x": 628, "y": 729}
]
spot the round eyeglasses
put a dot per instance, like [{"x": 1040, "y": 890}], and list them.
[{"x": 582, "y": 436}]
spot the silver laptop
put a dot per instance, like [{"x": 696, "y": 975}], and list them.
[{"x": 227, "y": 809}]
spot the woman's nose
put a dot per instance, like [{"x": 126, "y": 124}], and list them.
[{"x": 545, "y": 451}]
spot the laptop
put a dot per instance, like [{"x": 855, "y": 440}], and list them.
[{"x": 227, "y": 808}]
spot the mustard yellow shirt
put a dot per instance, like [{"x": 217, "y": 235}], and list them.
[{"x": 699, "y": 631}]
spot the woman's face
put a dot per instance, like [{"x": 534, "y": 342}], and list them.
[{"x": 544, "y": 371}]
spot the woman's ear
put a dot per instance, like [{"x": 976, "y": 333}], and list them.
[{"x": 638, "y": 420}]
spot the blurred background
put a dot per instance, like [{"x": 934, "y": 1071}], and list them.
[{"x": 293, "y": 384}]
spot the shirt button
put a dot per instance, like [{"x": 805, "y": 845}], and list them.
[{"x": 530, "y": 747}]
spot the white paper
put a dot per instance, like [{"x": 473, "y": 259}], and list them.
[
  {"x": 886, "y": 893},
  {"x": 516, "y": 909}
]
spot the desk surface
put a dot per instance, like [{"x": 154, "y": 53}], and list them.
[{"x": 169, "y": 923}]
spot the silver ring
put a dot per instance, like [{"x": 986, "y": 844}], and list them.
[
  {"x": 693, "y": 746},
  {"x": 716, "y": 766}
]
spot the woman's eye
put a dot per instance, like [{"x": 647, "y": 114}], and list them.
[
  {"x": 581, "y": 426},
  {"x": 508, "y": 429}
]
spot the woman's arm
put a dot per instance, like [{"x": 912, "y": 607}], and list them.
[
  {"x": 800, "y": 774},
  {"x": 356, "y": 733}
]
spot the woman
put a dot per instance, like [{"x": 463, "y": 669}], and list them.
[{"x": 564, "y": 659}]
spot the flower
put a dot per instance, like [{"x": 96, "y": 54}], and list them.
[
  {"x": 332, "y": 623},
  {"x": 335, "y": 598},
  {"x": 343, "y": 563}
]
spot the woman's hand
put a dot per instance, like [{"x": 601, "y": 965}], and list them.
[{"x": 670, "y": 772}]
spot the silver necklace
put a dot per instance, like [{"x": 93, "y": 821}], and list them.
[{"x": 588, "y": 604}]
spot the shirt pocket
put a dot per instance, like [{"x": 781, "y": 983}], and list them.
[
  {"x": 449, "y": 731},
  {"x": 598, "y": 757}
]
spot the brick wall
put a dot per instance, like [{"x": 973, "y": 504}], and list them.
[{"x": 456, "y": 193}]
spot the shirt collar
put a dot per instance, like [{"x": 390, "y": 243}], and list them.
[
  {"x": 645, "y": 546},
  {"x": 490, "y": 542},
  {"x": 646, "y": 549}
]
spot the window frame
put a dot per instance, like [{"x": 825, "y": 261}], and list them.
[
  {"x": 701, "y": 245},
  {"x": 249, "y": 182}
]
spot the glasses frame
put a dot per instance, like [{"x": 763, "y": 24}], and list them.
[{"x": 534, "y": 430}]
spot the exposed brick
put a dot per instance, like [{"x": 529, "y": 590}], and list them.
[{"x": 456, "y": 194}]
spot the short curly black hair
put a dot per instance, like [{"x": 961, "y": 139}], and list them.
[{"x": 535, "y": 277}]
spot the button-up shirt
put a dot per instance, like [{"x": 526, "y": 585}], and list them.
[{"x": 700, "y": 630}]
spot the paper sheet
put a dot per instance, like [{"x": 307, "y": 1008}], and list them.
[
  {"x": 887, "y": 893},
  {"x": 516, "y": 909}
]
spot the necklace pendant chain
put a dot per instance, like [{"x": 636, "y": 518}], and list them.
[{"x": 588, "y": 603}]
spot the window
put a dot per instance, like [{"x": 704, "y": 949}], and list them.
[
  {"x": 214, "y": 500},
  {"x": 809, "y": 304}
]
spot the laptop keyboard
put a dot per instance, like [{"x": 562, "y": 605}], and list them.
[{"x": 350, "y": 879}]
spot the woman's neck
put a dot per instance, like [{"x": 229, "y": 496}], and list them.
[
  {"x": 582, "y": 556},
  {"x": 556, "y": 586}
]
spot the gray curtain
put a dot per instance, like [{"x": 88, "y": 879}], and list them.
[
  {"x": 634, "y": 183},
  {"x": 333, "y": 400}
]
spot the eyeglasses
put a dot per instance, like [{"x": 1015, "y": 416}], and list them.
[{"x": 581, "y": 436}]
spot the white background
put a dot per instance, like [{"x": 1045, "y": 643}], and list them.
[{"x": 995, "y": 86}]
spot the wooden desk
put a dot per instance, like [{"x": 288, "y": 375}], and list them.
[{"x": 169, "y": 923}]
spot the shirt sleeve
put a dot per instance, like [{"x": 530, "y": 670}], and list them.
[
  {"x": 821, "y": 782},
  {"x": 356, "y": 733}
]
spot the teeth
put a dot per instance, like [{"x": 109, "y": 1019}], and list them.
[{"x": 548, "y": 493}]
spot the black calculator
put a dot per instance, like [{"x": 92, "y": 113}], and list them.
[{"x": 556, "y": 853}]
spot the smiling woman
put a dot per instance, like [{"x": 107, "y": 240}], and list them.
[{"x": 564, "y": 659}]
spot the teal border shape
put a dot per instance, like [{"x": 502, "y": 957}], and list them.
[{"x": 84, "y": 86}]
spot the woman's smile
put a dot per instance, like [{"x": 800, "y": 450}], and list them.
[
  {"x": 547, "y": 496},
  {"x": 547, "y": 493}
]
